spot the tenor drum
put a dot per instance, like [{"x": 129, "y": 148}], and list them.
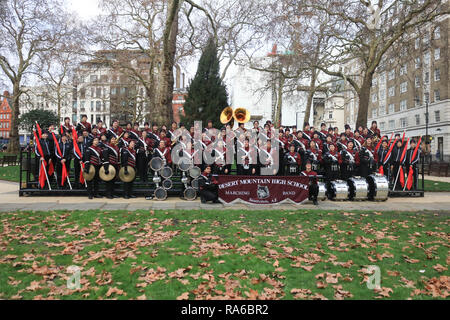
[
  {"x": 358, "y": 188},
  {"x": 378, "y": 187},
  {"x": 190, "y": 194},
  {"x": 167, "y": 184},
  {"x": 322, "y": 192},
  {"x": 156, "y": 164},
  {"x": 195, "y": 172},
  {"x": 167, "y": 172},
  {"x": 338, "y": 190},
  {"x": 194, "y": 184},
  {"x": 160, "y": 194}
]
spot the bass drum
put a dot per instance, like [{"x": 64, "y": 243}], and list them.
[
  {"x": 195, "y": 172},
  {"x": 194, "y": 184},
  {"x": 160, "y": 194},
  {"x": 358, "y": 189},
  {"x": 378, "y": 187},
  {"x": 156, "y": 164},
  {"x": 337, "y": 190},
  {"x": 167, "y": 184},
  {"x": 166, "y": 172},
  {"x": 322, "y": 196},
  {"x": 190, "y": 194}
]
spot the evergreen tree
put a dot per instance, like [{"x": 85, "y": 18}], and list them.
[{"x": 207, "y": 95}]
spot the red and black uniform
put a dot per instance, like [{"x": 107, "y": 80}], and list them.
[
  {"x": 144, "y": 150},
  {"x": 134, "y": 134},
  {"x": 78, "y": 158},
  {"x": 208, "y": 188},
  {"x": 220, "y": 165},
  {"x": 48, "y": 149},
  {"x": 375, "y": 132},
  {"x": 92, "y": 157},
  {"x": 114, "y": 133},
  {"x": 349, "y": 163},
  {"x": 313, "y": 186},
  {"x": 293, "y": 163},
  {"x": 102, "y": 131},
  {"x": 81, "y": 126},
  {"x": 64, "y": 129},
  {"x": 315, "y": 157},
  {"x": 358, "y": 142},
  {"x": 111, "y": 157},
  {"x": 331, "y": 162},
  {"x": 128, "y": 159},
  {"x": 368, "y": 161},
  {"x": 164, "y": 154},
  {"x": 66, "y": 154},
  {"x": 384, "y": 161},
  {"x": 412, "y": 162},
  {"x": 247, "y": 159}
]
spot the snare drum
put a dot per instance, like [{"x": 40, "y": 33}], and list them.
[
  {"x": 378, "y": 187},
  {"x": 160, "y": 194},
  {"x": 195, "y": 172},
  {"x": 167, "y": 184},
  {"x": 322, "y": 192},
  {"x": 358, "y": 188},
  {"x": 156, "y": 164},
  {"x": 194, "y": 184},
  {"x": 338, "y": 190}
]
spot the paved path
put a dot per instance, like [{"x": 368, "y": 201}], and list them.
[
  {"x": 10, "y": 201},
  {"x": 440, "y": 179}
]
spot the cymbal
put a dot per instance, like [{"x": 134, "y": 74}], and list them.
[
  {"x": 107, "y": 177},
  {"x": 127, "y": 177},
  {"x": 89, "y": 176}
]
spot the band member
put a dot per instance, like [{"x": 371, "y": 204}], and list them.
[
  {"x": 219, "y": 154},
  {"x": 66, "y": 127},
  {"x": 383, "y": 160},
  {"x": 412, "y": 162},
  {"x": 293, "y": 161},
  {"x": 100, "y": 127},
  {"x": 256, "y": 128},
  {"x": 208, "y": 186},
  {"x": 66, "y": 155},
  {"x": 317, "y": 140},
  {"x": 313, "y": 186},
  {"x": 368, "y": 159},
  {"x": 87, "y": 138},
  {"x": 163, "y": 152},
  {"x": 92, "y": 157},
  {"x": 128, "y": 159},
  {"x": 147, "y": 127},
  {"x": 78, "y": 159},
  {"x": 342, "y": 142},
  {"x": 396, "y": 162},
  {"x": 349, "y": 161},
  {"x": 267, "y": 156},
  {"x": 83, "y": 125},
  {"x": 135, "y": 133},
  {"x": 48, "y": 149},
  {"x": 125, "y": 140},
  {"x": 328, "y": 143},
  {"x": 110, "y": 156},
  {"x": 144, "y": 150},
  {"x": 358, "y": 140},
  {"x": 115, "y": 131},
  {"x": 163, "y": 137},
  {"x": 348, "y": 132},
  {"x": 95, "y": 133},
  {"x": 247, "y": 156},
  {"x": 314, "y": 156},
  {"x": 331, "y": 163},
  {"x": 323, "y": 132},
  {"x": 374, "y": 129}
]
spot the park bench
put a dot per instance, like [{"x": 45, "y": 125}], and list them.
[
  {"x": 8, "y": 161},
  {"x": 437, "y": 169}
]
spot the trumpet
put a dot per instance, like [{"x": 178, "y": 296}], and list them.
[{"x": 118, "y": 139}]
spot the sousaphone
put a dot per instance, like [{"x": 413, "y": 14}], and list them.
[
  {"x": 241, "y": 115},
  {"x": 107, "y": 177},
  {"x": 226, "y": 117},
  {"x": 127, "y": 177},
  {"x": 90, "y": 175}
]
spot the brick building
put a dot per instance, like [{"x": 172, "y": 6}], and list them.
[{"x": 5, "y": 116}]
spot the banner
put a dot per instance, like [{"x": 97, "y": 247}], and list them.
[{"x": 263, "y": 189}]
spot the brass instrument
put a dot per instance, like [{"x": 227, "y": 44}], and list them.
[
  {"x": 241, "y": 115},
  {"x": 226, "y": 117},
  {"x": 118, "y": 139}
]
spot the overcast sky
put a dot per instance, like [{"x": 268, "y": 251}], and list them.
[{"x": 86, "y": 8}]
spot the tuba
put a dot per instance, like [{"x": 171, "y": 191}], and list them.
[
  {"x": 241, "y": 115},
  {"x": 226, "y": 117}
]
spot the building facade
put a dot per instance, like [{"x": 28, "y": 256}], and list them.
[{"x": 5, "y": 116}]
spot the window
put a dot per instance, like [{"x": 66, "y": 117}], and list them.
[
  {"x": 437, "y": 95},
  {"x": 417, "y": 119},
  {"x": 403, "y": 122},
  {"x": 426, "y": 58},
  {"x": 391, "y": 108},
  {"x": 93, "y": 78},
  {"x": 113, "y": 91},
  {"x": 382, "y": 126},
  {"x": 391, "y": 75},
  {"x": 374, "y": 81},
  {"x": 374, "y": 113},
  {"x": 403, "y": 69},
  {"x": 403, "y": 87},
  {"x": 403, "y": 105},
  {"x": 437, "y": 54},
  {"x": 123, "y": 90},
  {"x": 437, "y": 116},
  {"x": 417, "y": 43},
  {"x": 417, "y": 82},
  {"x": 391, "y": 124},
  {"x": 437, "y": 74},
  {"x": 382, "y": 109},
  {"x": 392, "y": 91},
  {"x": 382, "y": 94},
  {"x": 382, "y": 78},
  {"x": 92, "y": 106},
  {"x": 83, "y": 93},
  {"x": 437, "y": 33},
  {"x": 426, "y": 40},
  {"x": 330, "y": 115},
  {"x": 374, "y": 97},
  {"x": 98, "y": 93},
  {"x": 417, "y": 101},
  {"x": 426, "y": 97},
  {"x": 426, "y": 77},
  {"x": 81, "y": 105},
  {"x": 98, "y": 106},
  {"x": 92, "y": 92},
  {"x": 417, "y": 62}
]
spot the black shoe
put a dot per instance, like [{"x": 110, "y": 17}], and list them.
[
  {"x": 315, "y": 202},
  {"x": 110, "y": 197},
  {"x": 203, "y": 201},
  {"x": 216, "y": 201},
  {"x": 91, "y": 197},
  {"x": 98, "y": 196},
  {"x": 126, "y": 197},
  {"x": 149, "y": 198},
  {"x": 133, "y": 197},
  {"x": 115, "y": 197}
]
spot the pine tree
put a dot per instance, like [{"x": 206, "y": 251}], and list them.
[{"x": 207, "y": 95}]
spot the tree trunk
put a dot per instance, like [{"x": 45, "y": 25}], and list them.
[
  {"x": 278, "y": 113},
  {"x": 163, "y": 111},
  {"x": 311, "y": 93},
  {"x": 14, "y": 141},
  {"x": 364, "y": 97}
]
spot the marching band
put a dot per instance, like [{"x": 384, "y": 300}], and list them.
[{"x": 112, "y": 154}]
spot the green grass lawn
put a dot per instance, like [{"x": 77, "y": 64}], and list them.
[
  {"x": 10, "y": 173},
  {"x": 223, "y": 254}
]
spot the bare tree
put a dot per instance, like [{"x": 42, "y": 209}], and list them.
[
  {"x": 29, "y": 27},
  {"x": 363, "y": 31}
]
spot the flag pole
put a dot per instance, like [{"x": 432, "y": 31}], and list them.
[{"x": 46, "y": 176}]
